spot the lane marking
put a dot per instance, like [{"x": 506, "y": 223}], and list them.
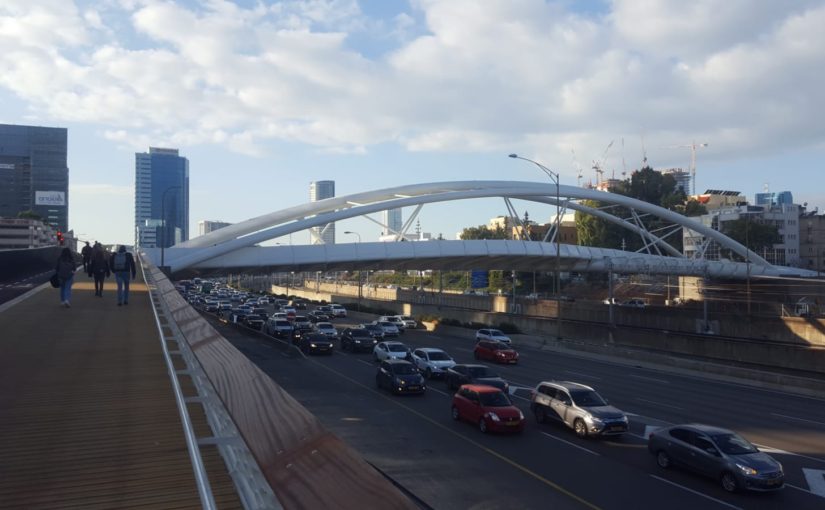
[
  {"x": 364, "y": 362},
  {"x": 799, "y": 419},
  {"x": 473, "y": 442},
  {"x": 574, "y": 445},
  {"x": 430, "y": 388},
  {"x": 696, "y": 492},
  {"x": 648, "y": 378},
  {"x": 660, "y": 404},
  {"x": 816, "y": 481},
  {"x": 771, "y": 449},
  {"x": 583, "y": 375}
]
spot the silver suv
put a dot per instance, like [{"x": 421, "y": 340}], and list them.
[{"x": 577, "y": 406}]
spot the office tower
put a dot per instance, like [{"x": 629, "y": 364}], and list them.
[
  {"x": 206, "y": 226},
  {"x": 682, "y": 178},
  {"x": 774, "y": 199},
  {"x": 161, "y": 198},
  {"x": 319, "y": 190},
  {"x": 392, "y": 220},
  {"x": 33, "y": 173}
]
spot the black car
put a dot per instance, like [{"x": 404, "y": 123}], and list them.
[
  {"x": 474, "y": 374},
  {"x": 400, "y": 376},
  {"x": 316, "y": 316},
  {"x": 260, "y": 312},
  {"x": 298, "y": 304},
  {"x": 357, "y": 339},
  {"x": 315, "y": 343},
  {"x": 375, "y": 331}
]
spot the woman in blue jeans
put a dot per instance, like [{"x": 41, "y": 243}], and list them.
[{"x": 65, "y": 272}]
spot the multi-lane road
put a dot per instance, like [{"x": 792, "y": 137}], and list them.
[
  {"x": 445, "y": 464},
  {"x": 10, "y": 288}
]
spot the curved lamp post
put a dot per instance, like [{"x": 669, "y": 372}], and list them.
[
  {"x": 554, "y": 176},
  {"x": 163, "y": 220}
]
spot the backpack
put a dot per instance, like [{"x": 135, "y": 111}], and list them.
[{"x": 119, "y": 262}]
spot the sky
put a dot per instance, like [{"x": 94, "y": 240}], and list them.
[{"x": 264, "y": 97}]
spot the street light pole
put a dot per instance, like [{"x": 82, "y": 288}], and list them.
[
  {"x": 554, "y": 176},
  {"x": 163, "y": 222}
]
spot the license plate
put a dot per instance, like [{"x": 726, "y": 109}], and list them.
[
  {"x": 616, "y": 428},
  {"x": 412, "y": 388},
  {"x": 512, "y": 423}
]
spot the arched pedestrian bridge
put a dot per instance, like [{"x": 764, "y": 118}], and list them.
[{"x": 236, "y": 247}]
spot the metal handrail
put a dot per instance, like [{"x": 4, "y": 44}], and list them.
[{"x": 201, "y": 479}]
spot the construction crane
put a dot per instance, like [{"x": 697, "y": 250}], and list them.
[
  {"x": 578, "y": 168},
  {"x": 598, "y": 166},
  {"x": 693, "y": 146}
]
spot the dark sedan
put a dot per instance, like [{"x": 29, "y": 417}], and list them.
[
  {"x": 312, "y": 343},
  {"x": 717, "y": 453},
  {"x": 316, "y": 316},
  {"x": 357, "y": 339},
  {"x": 374, "y": 330},
  {"x": 400, "y": 376},
  {"x": 460, "y": 374}
]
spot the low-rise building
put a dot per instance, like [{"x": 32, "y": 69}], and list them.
[{"x": 17, "y": 233}]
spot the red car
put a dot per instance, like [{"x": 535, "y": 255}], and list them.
[
  {"x": 487, "y": 406},
  {"x": 495, "y": 351}
]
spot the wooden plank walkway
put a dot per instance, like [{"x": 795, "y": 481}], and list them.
[{"x": 87, "y": 413}]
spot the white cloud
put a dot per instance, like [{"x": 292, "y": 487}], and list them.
[{"x": 503, "y": 73}]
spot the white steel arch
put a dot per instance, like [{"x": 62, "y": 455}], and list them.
[{"x": 227, "y": 240}]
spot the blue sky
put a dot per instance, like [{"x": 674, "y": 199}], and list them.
[{"x": 264, "y": 97}]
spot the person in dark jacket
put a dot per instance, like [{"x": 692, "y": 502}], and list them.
[
  {"x": 122, "y": 263},
  {"x": 99, "y": 270},
  {"x": 65, "y": 268},
  {"x": 86, "y": 253}
]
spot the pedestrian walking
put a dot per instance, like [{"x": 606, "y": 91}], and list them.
[
  {"x": 65, "y": 268},
  {"x": 122, "y": 264},
  {"x": 99, "y": 270},
  {"x": 86, "y": 253}
]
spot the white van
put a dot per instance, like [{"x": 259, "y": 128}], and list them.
[{"x": 338, "y": 310}]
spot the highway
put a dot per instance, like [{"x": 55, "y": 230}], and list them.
[
  {"x": 12, "y": 287},
  {"x": 446, "y": 464}
]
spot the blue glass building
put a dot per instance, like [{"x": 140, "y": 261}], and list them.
[
  {"x": 33, "y": 173},
  {"x": 161, "y": 198},
  {"x": 772, "y": 199}
]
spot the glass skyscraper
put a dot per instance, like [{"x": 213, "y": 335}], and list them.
[
  {"x": 34, "y": 175},
  {"x": 161, "y": 198},
  {"x": 319, "y": 190}
]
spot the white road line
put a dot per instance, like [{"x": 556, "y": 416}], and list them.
[
  {"x": 660, "y": 404},
  {"x": 696, "y": 492},
  {"x": 365, "y": 362},
  {"x": 574, "y": 445},
  {"x": 798, "y": 419},
  {"x": 816, "y": 481},
  {"x": 583, "y": 375},
  {"x": 771, "y": 449},
  {"x": 648, "y": 378},
  {"x": 430, "y": 388}
]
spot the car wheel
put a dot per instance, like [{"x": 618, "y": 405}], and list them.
[
  {"x": 541, "y": 414},
  {"x": 580, "y": 427},
  {"x": 729, "y": 482},
  {"x": 456, "y": 414},
  {"x": 663, "y": 459},
  {"x": 428, "y": 374},
  {"x": 482, "y": 425}
]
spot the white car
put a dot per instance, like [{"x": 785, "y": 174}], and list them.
[
  {"x": 432, "y": 362},
  {"x": 492, "y": 334},
  {"x": 390, "y": 329},
  {"x": 338, "y": 310},
  {"x": 400, "y": 324},
  {"x": 326, "y": 328},
  {"x": 390, "y": 350},
  {"x": 409, "y": 322}
]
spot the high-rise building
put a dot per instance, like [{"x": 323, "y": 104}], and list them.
[
  {"x": 772, "y": 199},
  {"x": 319, "y": 190},
  {"x": 682, "y": 179},
  {"x": 33, "y": 173},
  {"x": 206, "y": 226},
  {"x": 392, "y": 221},
  {"x": 161, "y": 198}
]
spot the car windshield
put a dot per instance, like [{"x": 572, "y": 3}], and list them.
[
  {"x": 734, "y": 444},
  {"x": 587, "y": 398},
  {"x": 397, "y": 348},
  {"x": 495, "y": 332},
  {"x": 325, "y": 326},
  {"x": 282, "y": 323},
  {"x": 387, "y": 324},
  {"x": 359, "y": 332},
  {"x": 494, "y": 399},
  {"x": 438, "y": 356},
  {"x": 404, "y": 369},
  {"x": 481, "y": 372}
]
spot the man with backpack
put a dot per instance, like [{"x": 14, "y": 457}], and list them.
[
  {"x": 86, "y": 253},
  {"x": 122, "y": 263}
]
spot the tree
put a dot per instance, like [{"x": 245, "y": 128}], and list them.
[
  {"x": 694, "y": 208},
  {"x": 483, "y": 232},
  {"x": 29, "y": 215},
  {"x": 755, "y": 236}
]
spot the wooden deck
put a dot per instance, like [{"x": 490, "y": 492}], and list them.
[{"x": 87, "y": 413}]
